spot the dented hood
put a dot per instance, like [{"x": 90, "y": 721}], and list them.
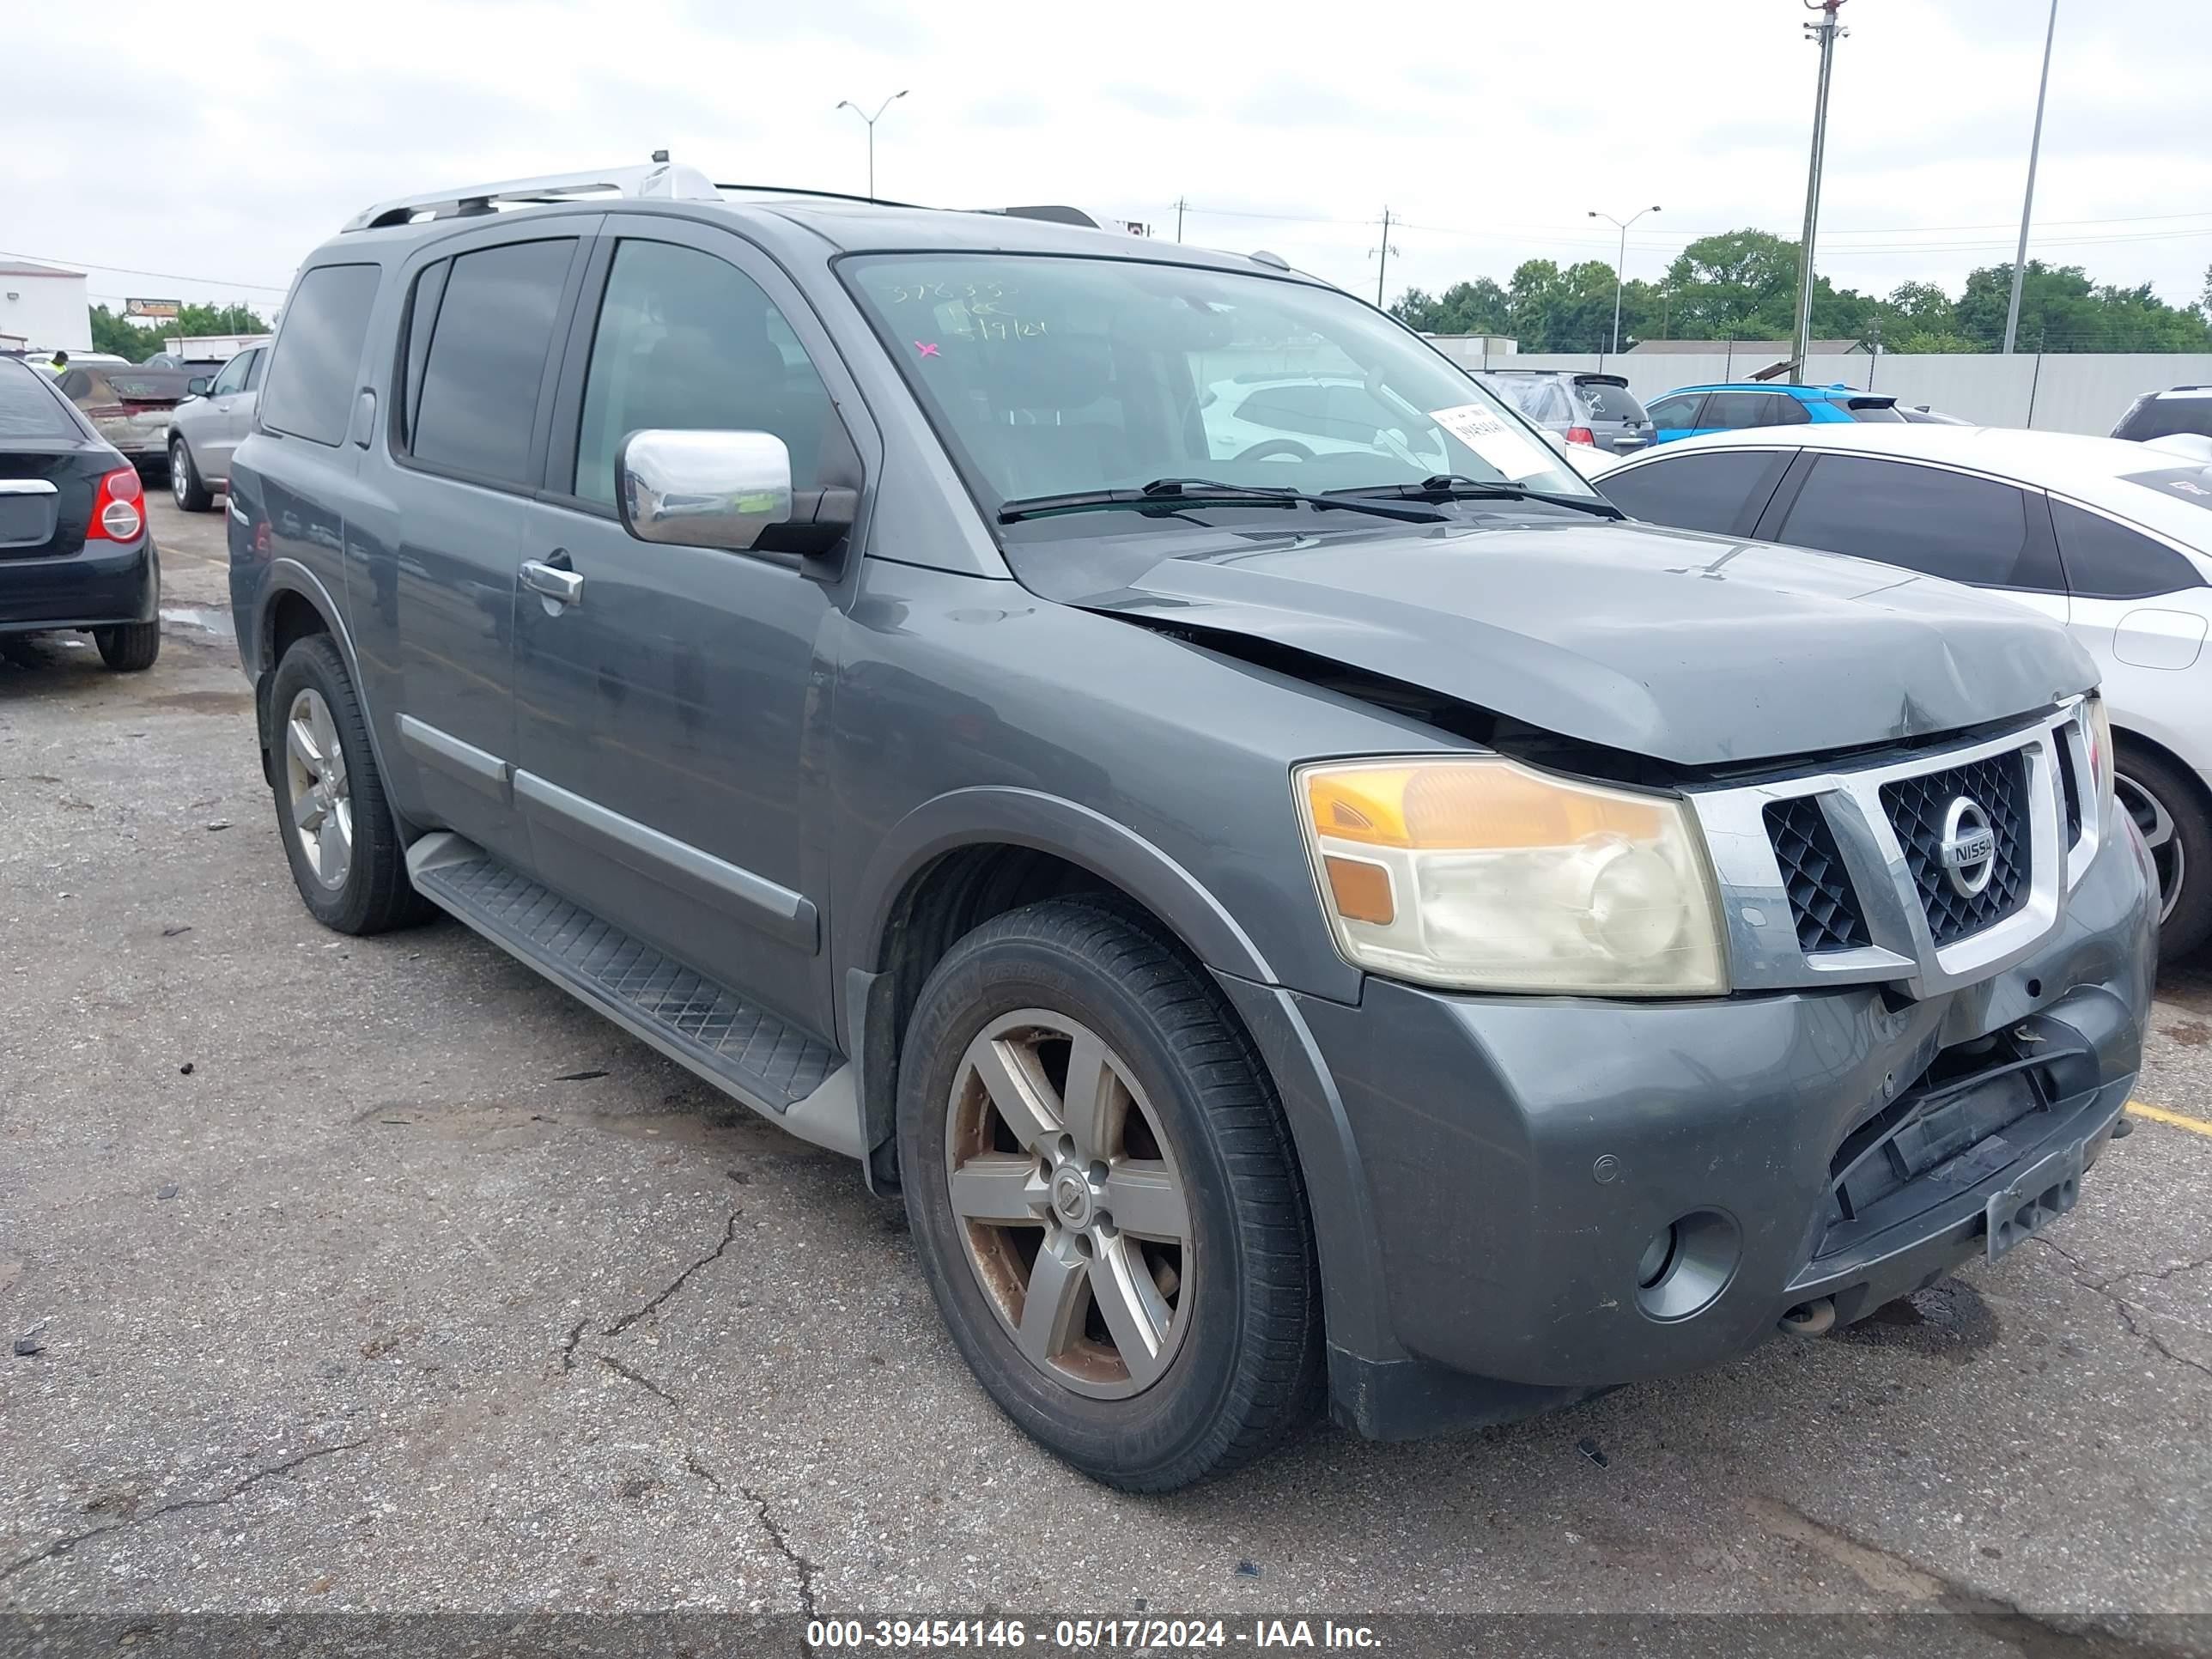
[{"x": 1695, "y": 649}]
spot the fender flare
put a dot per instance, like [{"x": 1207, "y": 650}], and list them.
[
  {"x": 288, "y": 575},
  {"x": 1049, "y": 823}
]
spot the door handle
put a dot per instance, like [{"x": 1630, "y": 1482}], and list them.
[{"x": 562, "y": 586}]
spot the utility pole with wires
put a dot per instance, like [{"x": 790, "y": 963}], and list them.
[
  {"x": 1180, "y": 205},
  {"x": 1825, "y": 32},
  {"x": 2027, "y": 204},
  {"x": 1382, "y": 254}
]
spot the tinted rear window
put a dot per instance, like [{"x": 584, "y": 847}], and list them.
[
  {"x": 311, "y": 382},
  {"x": 488, "y": 349},
  {"x": 1608, "y": 402},
  {"x": 28, "y": 409},
  {"x": 2160, "y": 415},
  {"x": 1713, "y": 491}
]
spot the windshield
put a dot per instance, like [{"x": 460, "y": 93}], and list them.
[{"x": 1050, "y": 376}]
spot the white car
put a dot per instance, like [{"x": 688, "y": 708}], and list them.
[
  {"x": 1259, "y": 417},
  {"x": 2112, "y": 539}
]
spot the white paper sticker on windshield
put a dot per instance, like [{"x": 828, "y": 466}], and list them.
[{"x": 1506, "y": 447}]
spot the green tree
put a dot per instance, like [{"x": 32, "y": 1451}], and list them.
[
  {"x": 1476, "y": 307},
  {"x": 126, "y": 339},
  {"x": 2061, "y": 310}
]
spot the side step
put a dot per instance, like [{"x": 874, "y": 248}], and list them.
[{"x": 746, "y": 1052}]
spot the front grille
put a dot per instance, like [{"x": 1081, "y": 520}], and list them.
[
  {"x": 1822, "y": 901},
  {"x": 1917, "y": 809}
]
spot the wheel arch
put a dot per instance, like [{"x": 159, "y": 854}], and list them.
[
  {"x": 966, "y": 856},
  {"x": 294, "y": 603}
]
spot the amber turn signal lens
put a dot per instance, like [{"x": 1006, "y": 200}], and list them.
[
  {"x": 1362, "y": 892},
  {"x": 1456, "y": 805}
]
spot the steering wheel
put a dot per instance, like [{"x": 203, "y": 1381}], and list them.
[{"x": 1275, "y": 449}]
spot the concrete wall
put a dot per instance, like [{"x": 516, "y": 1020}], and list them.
[
  {"x": 50, "y": 312},
  {"x": 2060, "y": 391}
]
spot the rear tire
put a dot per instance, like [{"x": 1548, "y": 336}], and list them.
[
  {"x": 338, "y": 830},
  {"x": 1187, "y": 1137},
  {"x": 185, "y": 484},
  {"x": 2169, "y": 808},
  {"x": 129, "y": 647}
]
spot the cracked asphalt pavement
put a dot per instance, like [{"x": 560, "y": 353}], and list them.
[{"x": 379, "y": 1275}]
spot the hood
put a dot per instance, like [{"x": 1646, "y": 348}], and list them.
[{"x": 1694, "y": 649}]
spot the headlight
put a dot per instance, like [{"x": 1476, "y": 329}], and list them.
[
  {"x": 2097, "y": 734},
  {"x": 1482, "y": 874}
]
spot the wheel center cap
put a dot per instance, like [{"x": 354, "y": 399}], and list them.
[{"x": 1071, "y": 1198}]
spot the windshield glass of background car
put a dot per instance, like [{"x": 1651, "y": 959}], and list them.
[{"x": 1047, "y": 376}]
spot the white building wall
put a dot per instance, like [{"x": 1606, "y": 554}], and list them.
[
  {"x": 50, "y": 312},
  {"x": 2058, "y": 392}
]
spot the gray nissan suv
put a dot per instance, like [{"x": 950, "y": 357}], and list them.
[{"x": 1370, "y": 929}]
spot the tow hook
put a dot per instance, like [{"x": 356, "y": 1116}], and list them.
[{"x": 1814, "y": 1318}]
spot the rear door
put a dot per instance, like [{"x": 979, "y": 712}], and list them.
[
  {"x": 476, "y": 348},
  {"x": 663, "y": 713}
]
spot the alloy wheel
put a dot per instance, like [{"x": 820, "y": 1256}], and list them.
[
  {"x": 317, "y": 793},
  {"x": 1071, "y": 1208},
  {"x": 180, "y": 472},
  {"x": 2166, "y": 852}
]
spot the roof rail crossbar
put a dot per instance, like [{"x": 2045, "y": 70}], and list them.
[{"x": 665, "y": 181}]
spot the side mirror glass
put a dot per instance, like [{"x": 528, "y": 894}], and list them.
[
  {"x": 198, "y": 385},
  {"x": 702, "y": 488}
]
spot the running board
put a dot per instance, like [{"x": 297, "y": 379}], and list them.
[{"x": 745, "y": 1051}]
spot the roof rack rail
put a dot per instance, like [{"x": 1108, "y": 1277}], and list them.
[
  {"x": 826, "y": 195},
  {"x": 662, "y": 180}
]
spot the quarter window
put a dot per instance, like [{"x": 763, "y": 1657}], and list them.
[
  {"x": 2108, "y": 561},
  {"x": 689, "y": 342},
  {"x": 1944, "y": 523},
  {"x": 311, "y": 382},
  {"x": 488, "y": 346}
]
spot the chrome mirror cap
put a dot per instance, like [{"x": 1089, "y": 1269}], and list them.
[{"x": 702, "y": 488}]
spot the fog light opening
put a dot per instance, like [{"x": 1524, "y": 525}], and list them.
[{"x": 1688, "y": 1264}]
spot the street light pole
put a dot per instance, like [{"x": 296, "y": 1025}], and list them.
[
  {"x": 1620, "y": 263},
  {"x": 2027, "y": 205},
  {"x": 1825, "y": 32},
  {"x": 872, "y": 120}
]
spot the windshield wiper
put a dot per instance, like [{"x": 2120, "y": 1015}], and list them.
[
  {"x": 1457, "y": 486},
  {"x": 1168, "y": 495}
]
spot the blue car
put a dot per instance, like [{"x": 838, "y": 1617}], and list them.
[{"x": 1691, "y": 409}]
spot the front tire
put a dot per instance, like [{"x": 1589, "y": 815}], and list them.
[
  {"x": 129, "y": 647},
  {"x": 1105, "y": 1199},
  {"x": 339, "y": 832},
  {"x": 2169, "y": 810},
  {"x": 185, "y": 484}
]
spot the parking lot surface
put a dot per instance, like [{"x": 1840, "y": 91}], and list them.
[{"x": 378, "y": 1274}]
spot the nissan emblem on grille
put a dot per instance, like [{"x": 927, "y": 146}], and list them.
[{"x": 1968, "y": 850}]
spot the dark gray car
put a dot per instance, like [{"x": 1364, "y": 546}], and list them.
[
  {"x": 1371, "y": 928},
  {"x": 1582, "y": 407}
]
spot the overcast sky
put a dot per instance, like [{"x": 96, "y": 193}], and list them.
[{"x": 1488, "y": 128}]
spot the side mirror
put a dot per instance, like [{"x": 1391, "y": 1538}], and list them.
[
  {"x": 198, "y": 385},
  {"x": 726, "y": 489}
]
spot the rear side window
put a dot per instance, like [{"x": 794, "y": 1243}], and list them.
[
  {"x": 1608, "y": 402},
  {"x": 1738, "y": 411},
  {"x": 1713, "y": 491},
  {"x": 2162, "y": 413},
  {"x": 1943, "y": 524},
  {"x": 487, "y": 353},
  {"x": 311, "y": 383},
  {"x": 28, "y": 409},
  {"x": 2108, "y": 561}
]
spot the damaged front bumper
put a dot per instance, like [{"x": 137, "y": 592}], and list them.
[{"x": 1571, "y": 1194}]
